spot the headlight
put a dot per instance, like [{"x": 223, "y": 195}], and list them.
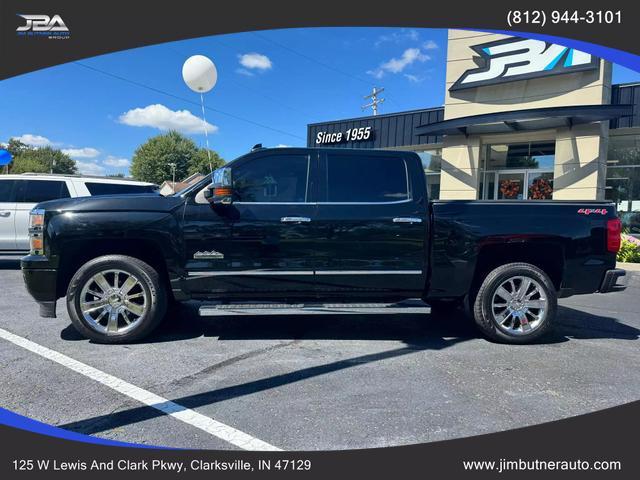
[{"x": 36, "y": 232}]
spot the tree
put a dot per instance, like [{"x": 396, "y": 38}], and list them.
[
  {"x": 43, "y": 160},
  {"x": 28, "y": 164},
  {"x": 16, "y": 147},
  {"x": 200, "y": 162},
  {"x": 150, "y": 162}
]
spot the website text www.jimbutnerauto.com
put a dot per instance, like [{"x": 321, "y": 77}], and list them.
[{"x": 536, "y": 465}]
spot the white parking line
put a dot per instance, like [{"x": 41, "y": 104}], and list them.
[{"x": 184, "y": 414}]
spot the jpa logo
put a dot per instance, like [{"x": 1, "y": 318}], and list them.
[
  {"x": 43, "y": 26},
  {"x": 520, "y": 59}
]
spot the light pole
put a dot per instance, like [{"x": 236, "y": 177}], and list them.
[{"x": 173, "y": 174}]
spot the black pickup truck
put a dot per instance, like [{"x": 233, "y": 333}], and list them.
[{"x": 300, "y": 225}]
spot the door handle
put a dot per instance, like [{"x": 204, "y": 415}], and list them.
[
  {"x": 407, "y": 220},
  {"x": 5, "y": 213},
  {"x": 295, "y": 219}
]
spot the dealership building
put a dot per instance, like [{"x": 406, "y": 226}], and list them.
[{"x": 522, "y": 119}]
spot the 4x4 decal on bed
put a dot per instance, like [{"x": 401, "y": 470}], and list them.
[{"x": 589, "y": 211}]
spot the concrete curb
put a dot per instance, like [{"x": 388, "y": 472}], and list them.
[
  {"x": 632, "y": 278},
  {"x": 629, "y": 267}
]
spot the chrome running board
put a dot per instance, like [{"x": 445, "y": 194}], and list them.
[{"x": 279, "y": 308}]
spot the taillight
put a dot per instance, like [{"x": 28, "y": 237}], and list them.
[{"x": 614, "y": 229}]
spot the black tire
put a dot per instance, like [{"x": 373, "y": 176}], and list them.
[
  {"x": 483, "y": 311},
  {"x": 150, "y": 283}
]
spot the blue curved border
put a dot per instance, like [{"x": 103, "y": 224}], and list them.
[
  {"x": 614, "y": 55},
  {"x": 14, "y": 420}
]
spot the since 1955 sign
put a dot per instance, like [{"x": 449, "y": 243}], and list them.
[{"x": 358, "y": 134}]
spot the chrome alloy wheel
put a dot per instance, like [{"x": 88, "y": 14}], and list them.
[
  {"x": 519, "y": 305},
  {"x": 113, "y": 302}
]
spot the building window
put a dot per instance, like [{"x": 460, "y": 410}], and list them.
[
  {"x": 517, "y": 171},
  {"x": 623, "y": 173},
  {"x": 431, "y": 163}
]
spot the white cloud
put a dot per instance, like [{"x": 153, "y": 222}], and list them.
[
  {"x": 34, "y": 140},
  {"x": 397, "y": 65},
  {"x": 409, "y": 56},
  {"x": 86, "y": 152},
  {"x": 397, "y": 37},
  {"x": 255, "y": 61},
  {"x": 160, "y": 117},
  {"x": 90, "y": 168},
  {"x": 430, "y": 45},
  {"x": 116, "y": 162},
  {"x": 245, "y": 72},
  {"x": 413, "y": 78}
]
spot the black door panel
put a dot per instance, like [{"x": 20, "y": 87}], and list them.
[
  {"x": 373, "y": 235},
  {"x": 265, "y": 254},
  {"x": 265, "y": 241}
]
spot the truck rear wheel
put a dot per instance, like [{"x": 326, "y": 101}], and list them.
[
  {"x": 516, "y": 303},
  {"x": 116, "y": 299}
]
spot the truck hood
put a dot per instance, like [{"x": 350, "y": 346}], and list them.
[{"x": 144, "y": 202}]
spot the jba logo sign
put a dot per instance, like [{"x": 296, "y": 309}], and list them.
[
  {"x": 43, "y": 26},
  {"x": 520, "y": 59}
]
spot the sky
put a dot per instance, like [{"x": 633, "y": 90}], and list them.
[{"x": 271, "y": 84}]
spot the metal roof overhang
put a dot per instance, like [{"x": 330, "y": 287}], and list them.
[{"x": 526, "y": 120}]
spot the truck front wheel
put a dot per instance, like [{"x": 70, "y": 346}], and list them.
[
  {"x": 116, "y": 299},
  {"x": 516, "y": 303}
]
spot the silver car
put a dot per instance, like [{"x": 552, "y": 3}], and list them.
[{"x": 20, "y": 193}]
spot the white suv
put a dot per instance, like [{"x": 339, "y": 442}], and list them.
[{"x": 20, "y": 193}]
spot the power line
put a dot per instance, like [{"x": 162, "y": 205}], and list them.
[
  {"x": 325, "y": 65},
  {"x": 311, "y": 59},
  {"x": 177, "y": 97}
]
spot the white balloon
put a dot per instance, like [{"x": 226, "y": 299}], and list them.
[{"x": 199, "y": 73}]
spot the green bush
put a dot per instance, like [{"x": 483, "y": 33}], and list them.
[{"x": 629, "y": 252}]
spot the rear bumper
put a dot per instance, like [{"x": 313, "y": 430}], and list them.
[
  {"x": 41, "y": 282},
  {"x": 609, "y": 282}
]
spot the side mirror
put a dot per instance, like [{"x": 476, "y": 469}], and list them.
[{"x": 220, "y": 192}]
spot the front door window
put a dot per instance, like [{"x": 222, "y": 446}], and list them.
[
  {"x": 510, "y": 186},
  {"x": 522, "y": 171},
  {"x": 540, "y": 185}
]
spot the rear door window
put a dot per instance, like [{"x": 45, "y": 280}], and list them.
[
  {"x": 96, "y": 188},
  {"x": 366, "y": 179},
  {"x": 7, "y": 191},
  {"x": 36, "y": 191}
]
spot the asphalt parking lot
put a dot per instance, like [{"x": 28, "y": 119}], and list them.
[{"x": 334, "y": 381}]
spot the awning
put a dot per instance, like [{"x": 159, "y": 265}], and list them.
[{"x": 525, "y": 120}]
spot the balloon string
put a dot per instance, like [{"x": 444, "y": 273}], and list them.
[{"x": 206, "y": 135}]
